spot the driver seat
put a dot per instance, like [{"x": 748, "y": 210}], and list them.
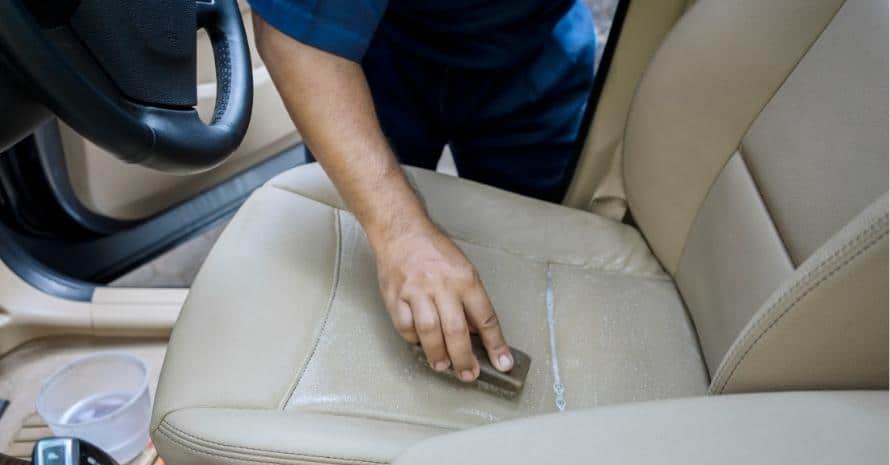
[{"x": 755, "y": 164}]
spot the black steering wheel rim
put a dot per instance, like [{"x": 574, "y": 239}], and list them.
[{"x": 167, "y": 138}]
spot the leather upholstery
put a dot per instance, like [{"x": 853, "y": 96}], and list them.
[
  {"x": 733, "y": 261},
  {"x": 759, "y": 186},
  {"x": 800, "y": 428},
  {"x": 826, "y": 326},
  {"x": 703, "y": 89},
  {"x": 821, "y": 141},
  {"x": 299, "y": 328},
  {"x": 749, "y": 151}
]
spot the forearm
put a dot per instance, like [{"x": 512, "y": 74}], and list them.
[
  {"x": 431, "y": 290},
  {"x": 330, "y": 102}
]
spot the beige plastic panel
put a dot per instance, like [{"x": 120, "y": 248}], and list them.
[
  {"x": 112, "y": 188},
  {"x": 27, "y": 313},
  {"x": 645, "y": 25}
]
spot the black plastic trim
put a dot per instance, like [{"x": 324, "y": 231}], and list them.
[
  {"x": 21, "y": 112},
  {"x": 38, "y": 275},
  {"x": 52, "y": 160}
]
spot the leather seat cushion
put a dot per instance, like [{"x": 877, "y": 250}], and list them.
[{"x": 284, "y": 328}]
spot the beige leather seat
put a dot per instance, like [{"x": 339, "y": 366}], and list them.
[{"x": 755, "y": 163}]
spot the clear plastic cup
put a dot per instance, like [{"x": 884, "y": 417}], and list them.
[{"x": 103, "y": 399}]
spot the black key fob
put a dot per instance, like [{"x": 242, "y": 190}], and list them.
[{"x": 68, "y": 451}]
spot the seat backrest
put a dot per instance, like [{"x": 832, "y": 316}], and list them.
[{"x": 756, "y": 165}]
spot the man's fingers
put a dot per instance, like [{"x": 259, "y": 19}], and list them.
[
  {"x": 482, "y": 315},
  {"x": 403, "y": 321},
  {"x": 457, "y": 336},
  {"x": 429, "y": 330}
]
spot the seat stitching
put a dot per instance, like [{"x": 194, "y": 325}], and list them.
[
  {"x": 376, "y": 416},
  {"x": 324, "y": 322},
  {"x": 804, "y": 281},
  {"x": 401, "y": 421},
  {"x": 196, "y": 438},
  {"x": 192, "y": 444},
  {"x": 811, "y": 287},
  {"x": 196, "y": 451}
]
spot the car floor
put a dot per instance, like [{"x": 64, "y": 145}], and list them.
[
  {"x": 24, "y": 370},
  {"x": 178, "y": 266}
]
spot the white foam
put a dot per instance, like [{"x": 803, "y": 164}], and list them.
[{"x": 558, "y": 388}]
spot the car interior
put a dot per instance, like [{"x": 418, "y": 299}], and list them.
[{"x": 712, "y": 289}]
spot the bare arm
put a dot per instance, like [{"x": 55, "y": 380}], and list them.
[{"x": 431, "y": 290}]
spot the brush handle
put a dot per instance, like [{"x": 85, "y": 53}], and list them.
[{"x": 507, "y": 384}]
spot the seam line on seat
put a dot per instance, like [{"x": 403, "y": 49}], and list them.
[
  {"x": 374, "y": 416},
  {"x": 198, "y": 440},
  {"x": 304, "y": 195},
  {"x": 769, "y": 213},
  {"x": 772, "y": 96},
  {"x": 182, "y": 444},
  {"x": 256, "y": 456},
  {"x": 338, "y": 231},
  {"x": 812, "y": 285},
  {"x": 660, "y": 276}
]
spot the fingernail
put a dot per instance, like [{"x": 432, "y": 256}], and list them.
[
  {"x": 505, "y": 361},
  {"x": 441, "y": 365},
  {"x": 466, "y": 375}
]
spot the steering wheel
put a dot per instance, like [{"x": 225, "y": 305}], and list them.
[{"x": 123, "y": 74}]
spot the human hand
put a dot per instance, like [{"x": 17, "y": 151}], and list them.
[{"x": 435, "y": 297}]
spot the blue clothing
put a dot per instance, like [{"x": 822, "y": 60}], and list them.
[
  {"x": 504, "y": 82},
  {"x": 463, "y": 33}
]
